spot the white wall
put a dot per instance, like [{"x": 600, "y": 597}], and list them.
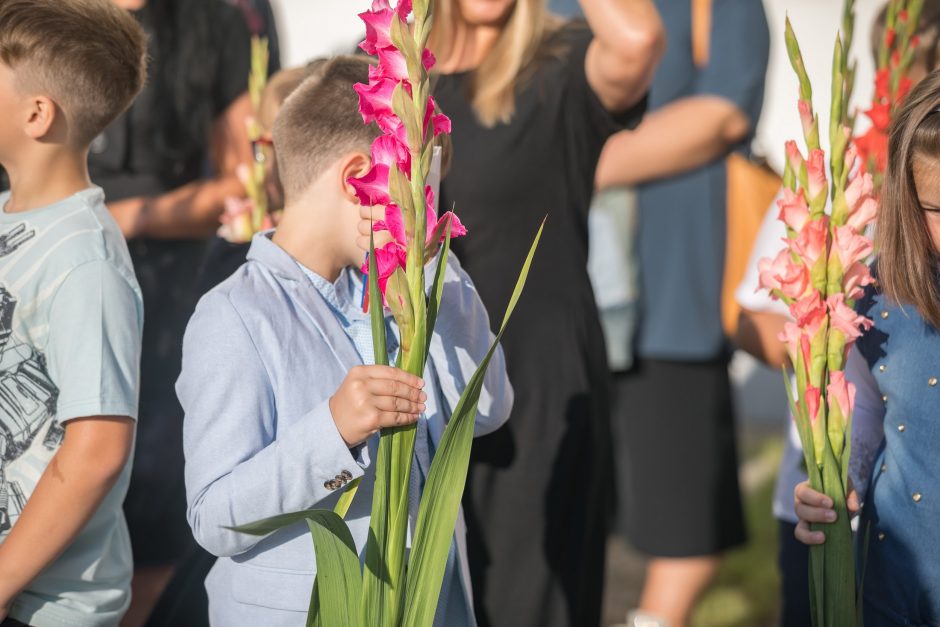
[
  {"x": 316, "y": 28},
  {"x": 815, "y": 23}
]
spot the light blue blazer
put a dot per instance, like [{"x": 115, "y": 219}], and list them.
[{"x": 261, "y": 357}]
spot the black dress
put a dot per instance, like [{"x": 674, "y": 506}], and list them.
[
  {"x": 539, "y": 493},
  {"x": 137, "y": 155}
]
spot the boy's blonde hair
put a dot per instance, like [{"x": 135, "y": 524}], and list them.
[{"x": 88, "y": 56}]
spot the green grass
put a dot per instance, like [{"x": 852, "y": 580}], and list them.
[{"x": 746, "y": 590}]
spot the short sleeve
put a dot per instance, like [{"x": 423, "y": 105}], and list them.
[
  {"x": 95, "y": 324},
  {"x": 738, "y": 56},
  {"x": 234, "y": 60}
]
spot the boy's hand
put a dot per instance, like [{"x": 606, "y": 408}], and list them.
[
  {"x": 814, "y": 507},
  {"x": 367, "y": 217},
  {"x": 373, "y": 398}
]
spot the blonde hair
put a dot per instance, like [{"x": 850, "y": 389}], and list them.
[{"x": 492, "y": 89}]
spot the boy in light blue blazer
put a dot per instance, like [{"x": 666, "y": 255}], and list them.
[{"x": 281, "y": 413}]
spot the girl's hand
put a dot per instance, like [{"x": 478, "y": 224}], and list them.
[{"x": 814, "y": 507}]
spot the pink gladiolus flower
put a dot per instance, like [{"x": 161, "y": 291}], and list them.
[
  {"x": 770, "y": 271},
  {"x": 791, "y": 337},
  {"x": 863, "y": 215},
  {"x": 793, "y": 209},
  {"x": 813, "y": 401},
  {"x": 843, "y": 318},
  {"x": 816, "y": 169},
  {"x": 795, "y": 157},
  {"x": 780, "y": 273},
  {"x": 392, "y": 65},
  {"x": 855, "y": 279},
  {"x": 435, "y": 227},
  {"x": 860, "y": 188},
  {"x": 851, "y": 156},
  {"x": 387, "y": 260},
  {"x": 372, "y": 188},
  {"x": 849, "y": 246},
  {"x": 378, "y": 23},
  {"x": 842, "y": 392},
  {"x": 810, "y": 243},
  {"x": 387, "y": 150},
  {"x": 809, "y": 313},
  {"x": 375, "y": 101}
]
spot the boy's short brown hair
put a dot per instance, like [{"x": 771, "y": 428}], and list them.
[
  {"x": 319, "y": 122},
  {"x": 89, "y": 56}
]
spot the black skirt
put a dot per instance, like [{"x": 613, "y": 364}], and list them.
[{"x": 677, "y": 462}]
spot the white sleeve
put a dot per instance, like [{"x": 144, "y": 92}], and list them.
[
  {"x": 867, "y": 421},
  {"x": 769, "y": 242}
]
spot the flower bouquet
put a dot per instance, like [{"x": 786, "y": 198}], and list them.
[
  {"x": 895, "y": 57},
  {"x": 243, "y": 217},
  {"x": 398, "y": 587},
  {"x": 819, "y": 274}
]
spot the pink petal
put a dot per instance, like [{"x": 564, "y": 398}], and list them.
[
  {"x": 795, "y": 157},
  {"x": 395, "y": 224},
  {"x": 842, "y": 392},
  {"x": 375, "y": 100},
  {"x": 387, "y": 150},
  {"x": 816, "y": 169},
  {"x": 372, "y": 189},
  {"x": 794, "y": 211}
]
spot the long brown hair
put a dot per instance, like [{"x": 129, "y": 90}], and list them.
[
  {"x": 493, "y": 85},
  {"x": 907, "y": 260}
]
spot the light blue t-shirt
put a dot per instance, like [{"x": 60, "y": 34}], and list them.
[{"x": 71, "y": 317}]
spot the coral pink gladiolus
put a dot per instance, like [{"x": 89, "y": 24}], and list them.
[{"x": 842, "y": 391}]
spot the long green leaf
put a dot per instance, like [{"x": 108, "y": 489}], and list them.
[
  {"x": 270, "y": 525},
  {"x": 339, "y": 579},
  {"x": 445, "y": 484},
  {"x": 375, "y": 578}
]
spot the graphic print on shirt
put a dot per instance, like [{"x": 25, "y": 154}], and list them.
[{"x": 29, "y": 433}]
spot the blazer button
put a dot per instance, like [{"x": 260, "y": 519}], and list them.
[
  {"x": 346, "y": 475},
  {"x": 330, "y": 485},
  {"x": 340, "y": 480}
]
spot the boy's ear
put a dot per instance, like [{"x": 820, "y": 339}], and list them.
[
  {"x": 353, "y": 165},
  {"x": 41, "y": 114}
]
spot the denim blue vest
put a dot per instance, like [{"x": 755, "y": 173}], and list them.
[{"x": 902, "y": 510}]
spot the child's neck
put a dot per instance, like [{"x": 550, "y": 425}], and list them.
[
  {"x": 46, "y": 177},
  {"x": 312, "y": 249}
]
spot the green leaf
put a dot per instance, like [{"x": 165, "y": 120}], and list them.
[
  {"x": 275, "y": 523},
  {"x": 339, "y": 579},
  {"x": 399, "y": 301},
  {"x": 377, "y": 311},
  {"x": 445, "y": 484}
]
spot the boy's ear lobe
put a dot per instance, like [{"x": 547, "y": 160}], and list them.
[{"x": 41, "y": 115}]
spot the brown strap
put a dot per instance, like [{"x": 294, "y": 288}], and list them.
[{"x": 701, "y": 31}]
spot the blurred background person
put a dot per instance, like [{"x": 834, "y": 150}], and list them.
[
  {"x": 166, "y": 167},
  {"x": 679, "y": 497},
  {"x": 533, "y": 99}
]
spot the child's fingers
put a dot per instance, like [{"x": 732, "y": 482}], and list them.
[
  {"x": 808, "y": 496},
  {"x": 814, "y": 514},
  {"x": 386, "y": 388},
  {"x": 395, "y": 374},
  {"x": 399, "y": 405},
  {"x": 807, "y": 536},
  {"x": 396, "y": 419}
]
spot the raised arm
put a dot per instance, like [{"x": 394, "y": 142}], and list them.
[
  {"x": 693, "y": 131},
  {"x": 628, "y": 42}
]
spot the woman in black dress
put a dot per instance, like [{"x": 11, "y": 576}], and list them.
[
  {"x": 166, "y": 167},
  {"x": 533, "y": 101}
]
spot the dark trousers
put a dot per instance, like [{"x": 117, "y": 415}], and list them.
[{"x": 794, "y": 573}]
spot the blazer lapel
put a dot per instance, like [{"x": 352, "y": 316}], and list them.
[{"x": 305, "y": 296}]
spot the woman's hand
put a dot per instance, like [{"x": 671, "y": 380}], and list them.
[{"x": 814, "y": 507}]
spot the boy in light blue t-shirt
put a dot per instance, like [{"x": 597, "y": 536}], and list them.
[{"x": 70, "y": 316}]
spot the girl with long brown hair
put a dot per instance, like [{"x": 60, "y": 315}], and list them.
[
  {"x": 533, "y": 100},
  {"x": 896, "y": 369}
]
